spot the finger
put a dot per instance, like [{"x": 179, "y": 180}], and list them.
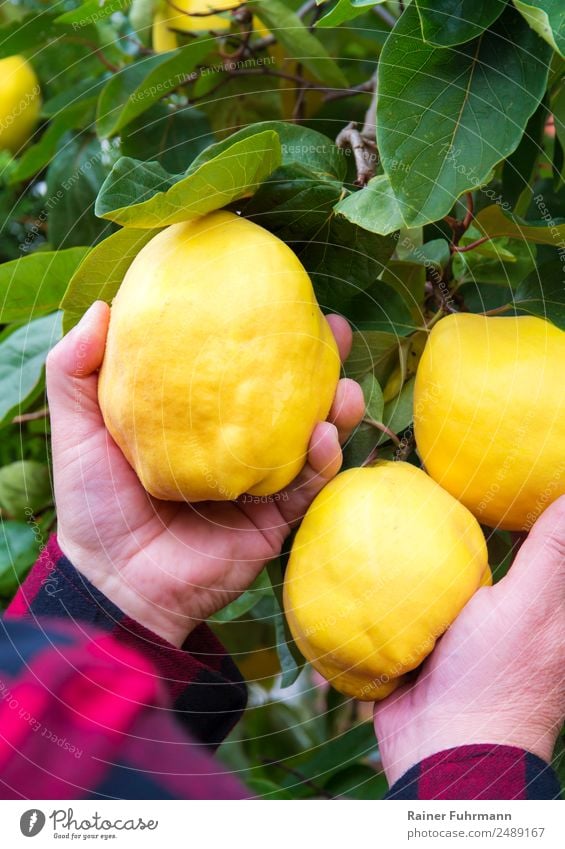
[
  {"x": 324, "y": 452},
  {"x": 348, "y": 407},
  {"x": 71, "y": 379},
  {"x": 342, "y": 333},
  {"x": 324, "y": 462},
  {"x": 539, "y": 566}
]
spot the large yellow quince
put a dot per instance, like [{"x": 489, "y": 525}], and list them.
[
  {"x": 20, "y": 102},
  {"x": 489, "y": 415},
  {"x": 382, "y": 564},
  {"x": 219, "y": 362}
]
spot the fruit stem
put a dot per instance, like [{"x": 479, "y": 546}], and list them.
[{"x": 382, "y": 427}]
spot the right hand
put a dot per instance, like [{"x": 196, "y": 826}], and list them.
[{"x": 497, "y": 675}]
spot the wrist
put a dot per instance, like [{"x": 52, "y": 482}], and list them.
[{"x": 412, "y": 744}]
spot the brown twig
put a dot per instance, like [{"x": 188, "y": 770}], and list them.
[
  {"x": 31, "y": 417},
  {"x": 363, "y": 143}
]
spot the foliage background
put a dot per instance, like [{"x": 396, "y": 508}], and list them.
[{"x": 456, "y": 124}]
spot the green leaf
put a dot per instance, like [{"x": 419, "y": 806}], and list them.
[
  {"x": 381, "y": 307},
  {"x": 300, "y": 146},
  {"x": 373, "y": 207},
  {"x": 506, "y": 263},
  {"x": 373, "y": 352},
  {"x": 547, "y": 18},
  {"x": 348, "y": 748},
  {"x": 34, "y": 285},
  {"x": 101, "y": 273},
  {"x": 446, "y": 23},
  {"x": 450, "y": 115},
  {"x": 345, "y": 10},
  {"x": 298, "y": 41},
  {"x": 135, "y": 89},
  {"x": 519, "y": 170},
  {"x": 244, "y": 100},
  {"x": 25, "y": 488},
  {"x": 343, "y": 260},
  {"x": 409, "y": 279},
  {"x": 542, "y": 293},
  {"x": 357, "y": 781},
  {"x": 373, "y": 395},
  {"x": 75, "y": 176},
  {"x": 140, "y": 194},
  {"x": 260, "y": 588},
  {"x": 22, "y": 357},
  {"x": 18, "y": 551},
  {"x": 171, "y": 137},
  {"x": 290, "y": 659},
  {"x": 27, "y": 33},
  {"x": 493, "y": 221},
  {"x": 93, "y": 11},
  {"x": 294, "y": 203},
  {"x": 399, "y": 413}
]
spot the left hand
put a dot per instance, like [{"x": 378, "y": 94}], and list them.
[{"x": 168, "y": 565}]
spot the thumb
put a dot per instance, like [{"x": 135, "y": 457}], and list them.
[
  {"x": 539, "y": 569},
  {"x": 72, "y": 382}
]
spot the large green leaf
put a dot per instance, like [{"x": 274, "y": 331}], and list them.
[
  {"x": 446, "y": 23},
  {"x": 450, "y": 115},
  {"x": 300, "y": 146},
  {"x": 493, "y": 221},
  {"x": 373, "y": 207},
  {"x": 141, "y": 194},
  {"x": 294, "y": 203},
  {"x": 25, "y": 488},
  {"x": 298, "y": 41},
  {"x": 135, "y": 89},
  {"x": 34, "y": 285},
  {"x": 22, "y": 357},
  {"x": 18, "y": 551},
  {"x": 542, "y": 293},
  {"x": 343, "y": 260},
  {"x": 547, "y": 18},
  {"x": 100, "y": 274}
]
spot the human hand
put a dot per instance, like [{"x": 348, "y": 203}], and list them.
[
  {"x": 496, "y": 676},
  {"x": 168, "y": 565}
]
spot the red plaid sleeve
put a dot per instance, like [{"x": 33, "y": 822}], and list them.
[
  {"x": 205, "y": 687},
  {"x": 82, "y": 715},
  {"x": 482, "y": 771}
]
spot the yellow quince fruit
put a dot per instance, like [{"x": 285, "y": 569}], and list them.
[
  {"x": 382, "y": 564},
  {"x": 489, "y": 415},
  {"x": 219, "y": 362},
  {"x": 20, "y": 102}
]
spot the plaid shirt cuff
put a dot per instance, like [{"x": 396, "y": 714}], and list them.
[
  {"x": 206, "y": 688},
  {"x": 480, "y": 771}
]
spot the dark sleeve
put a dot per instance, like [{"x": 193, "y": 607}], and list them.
[
  {"x": 481, "y": 771},
  {"x": 205, "y": 687},
  {"x": 84, "y": 716}
]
